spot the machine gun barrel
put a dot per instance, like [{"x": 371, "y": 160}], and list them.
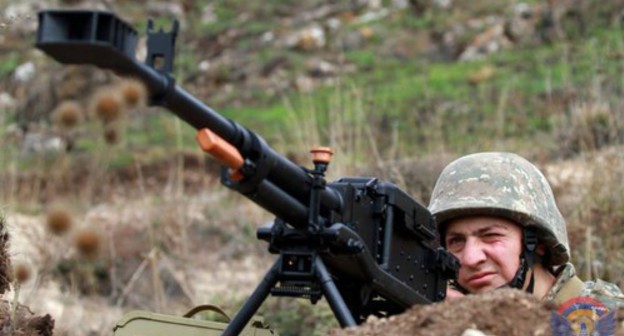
[{"x": 100, "y": 38}]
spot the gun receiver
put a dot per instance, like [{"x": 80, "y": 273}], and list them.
[{"x": 363, "y": 244}]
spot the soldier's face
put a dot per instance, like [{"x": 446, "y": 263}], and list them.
[{"x": 488, "y": 249}]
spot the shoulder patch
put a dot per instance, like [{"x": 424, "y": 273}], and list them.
[{"x": 583, "y": 315}]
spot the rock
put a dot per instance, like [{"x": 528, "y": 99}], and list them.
[
  {"x": 490, "y": 41},
  {"x": 41, "y": 143},
  {"x": 304, "y": 84},
  {"x": 307, "y": 39},
  {"x": 7, "y": 102},
  {"x": 320, "y": 68},
  {"x": 520, "y": 27},
  {"x": 473, "y": 332},
  {"x": 24, "y": 72},
  {"x": 18, "y": 18}
]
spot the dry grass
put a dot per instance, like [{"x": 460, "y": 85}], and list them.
[
  {"x": 150, "y": 255},
  {"x": 154, "y": 243},
  {"x": 167, "y": 254},
  {"x": 595, "y": 221},
  {"x": 589, "y": 184},
  {"x": 590, "y": 126}
]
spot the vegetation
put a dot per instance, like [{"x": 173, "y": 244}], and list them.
[{"x": 143, "y": 222}]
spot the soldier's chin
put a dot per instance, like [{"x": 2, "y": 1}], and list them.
[
  {"x": 481, "y": 287},
  {"x": 486, "y": 288},
  {"x": 482, "y": 290}
]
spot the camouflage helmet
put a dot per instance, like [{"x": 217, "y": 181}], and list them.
[{"x": 503, "y": 185}]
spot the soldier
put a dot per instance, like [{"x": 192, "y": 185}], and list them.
[{"x": 497, "y": 214}]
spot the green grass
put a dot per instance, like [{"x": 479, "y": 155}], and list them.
[
  {"x": 430, "y": 104},
  {"x": 417, "y": 94},
  {"x": 228, "y": 12},
  {"x": 8, "y": 64}
]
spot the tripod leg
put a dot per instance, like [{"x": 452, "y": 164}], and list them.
[
  {"x": 336, "y": 302},
  {"x": 253, "y": 303}
]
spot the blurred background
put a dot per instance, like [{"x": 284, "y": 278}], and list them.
[{"x": 111, "y": 206}]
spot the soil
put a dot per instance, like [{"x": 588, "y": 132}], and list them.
[
  {"x": 5, "y": 261},
  {"x": 504, "y": 312},
  {"x": 27, "y": 323}
]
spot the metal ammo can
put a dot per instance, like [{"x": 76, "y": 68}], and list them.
[{"x": 145, "y": 323}]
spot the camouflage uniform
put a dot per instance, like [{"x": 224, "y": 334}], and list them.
[
  {"x": 568, "y": 286},
  {"x": 507, "y": 185}
]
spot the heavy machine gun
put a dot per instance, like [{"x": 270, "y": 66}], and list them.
[{"x": 363, "y": 244}]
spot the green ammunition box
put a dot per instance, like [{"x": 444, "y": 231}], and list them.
[{"x": 144, "y": 323}]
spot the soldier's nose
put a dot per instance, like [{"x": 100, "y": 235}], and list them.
[{"x": 473, "y": 253}]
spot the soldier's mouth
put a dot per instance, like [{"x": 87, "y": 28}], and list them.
[{"x": 480, "y": 278}]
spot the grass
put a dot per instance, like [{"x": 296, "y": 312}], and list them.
[
  {"x": 9, "y": 64},
  {"x": 422, "y": 94},
  {"x": 540, "y": 101}
]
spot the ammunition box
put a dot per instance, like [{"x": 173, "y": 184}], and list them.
[{"x": 144, "y": 323}]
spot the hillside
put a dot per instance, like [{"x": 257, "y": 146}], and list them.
[{"x": 117, "y": 211}]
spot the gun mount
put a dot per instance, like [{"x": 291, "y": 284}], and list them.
[{"x": 363, "y": 244}]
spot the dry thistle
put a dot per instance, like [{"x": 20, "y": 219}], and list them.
[
  {"x": 108, "y": 105},
  {"x": 133, "y": 92},
  {"x": 67, "y": 114},
  {"x": 88, "y": 243},
  {"x": 111, "y": 135},
  {"x": 59, "y": 221},
  {"x": 21, "y": 273}
]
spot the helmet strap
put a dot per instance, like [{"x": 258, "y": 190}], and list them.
[
  {"x": 456, "y": 286},
  {"x": 527, "y": 260}
]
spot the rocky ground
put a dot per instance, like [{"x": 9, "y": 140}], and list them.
[
  {"x": 501, "y": 313},
  {"x": 505, "y": 312}
]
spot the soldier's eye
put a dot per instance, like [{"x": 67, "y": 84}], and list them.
[
  {"x": 492, "y": 235},
  {"x": 454, "y": 241}
]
